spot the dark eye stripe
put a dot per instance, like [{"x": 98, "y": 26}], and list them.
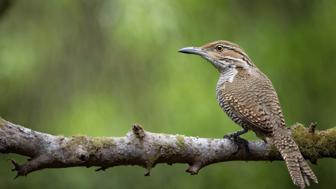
[{"x": 245, "y": 57}]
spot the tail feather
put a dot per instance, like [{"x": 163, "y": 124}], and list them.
[
  {"x": 298, "y": 168},
  {"x": 307, "y": 171}
]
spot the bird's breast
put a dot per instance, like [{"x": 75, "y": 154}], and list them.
[{"x": 227, "y": 77}]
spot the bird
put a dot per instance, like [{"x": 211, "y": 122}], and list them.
[{"x": 248, "y": 97}]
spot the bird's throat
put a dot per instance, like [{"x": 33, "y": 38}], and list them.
[{"x": 227, "y": 75}]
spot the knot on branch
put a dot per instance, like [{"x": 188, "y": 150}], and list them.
[
  {"x": 194, "y": 168},
  {"x": 138, "y": 131},
  {"x": 31, "y": 165},
  {"x": 312, "y": 127}
]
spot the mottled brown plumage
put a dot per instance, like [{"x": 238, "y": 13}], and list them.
[{"x": 249, "y": 99}]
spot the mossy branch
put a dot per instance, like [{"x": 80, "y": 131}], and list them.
[{"x": 146, "y": 149}]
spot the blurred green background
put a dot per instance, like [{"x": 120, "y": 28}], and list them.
[{"x": 97, "y": 67}]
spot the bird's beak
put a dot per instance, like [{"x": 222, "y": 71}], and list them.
[{"x": 192, "y": 50}]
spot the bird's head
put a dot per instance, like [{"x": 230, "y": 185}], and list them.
[{"x": 222, "y": 54}]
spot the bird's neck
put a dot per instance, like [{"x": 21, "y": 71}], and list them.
[
  {"x": 231, "y": 72},
  {"x": 227, "y": 75}
]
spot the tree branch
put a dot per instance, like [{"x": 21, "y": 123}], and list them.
[{"x": 146, "y": 149}]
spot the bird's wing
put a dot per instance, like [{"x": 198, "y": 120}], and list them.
[{"x": 256, "y": 103}]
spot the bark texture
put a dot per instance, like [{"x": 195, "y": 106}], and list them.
[{"x": 146, "y": 149}]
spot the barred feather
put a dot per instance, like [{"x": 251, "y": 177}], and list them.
[{"x": 298, "y": 168}]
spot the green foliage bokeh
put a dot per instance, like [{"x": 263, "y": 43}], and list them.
[{"x": 97, "y": 67}]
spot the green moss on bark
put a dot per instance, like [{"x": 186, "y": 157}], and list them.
[
  {"x": 306, "y": 141},
  {"x": 89, "y": 145},
  {"x": 2, "y": 122},
  {"x": 315, "y": 144},
  {"x": 102, "y": 142},
  {"x": 327, "y": 142},
  {"x": 180, "y": 141}
]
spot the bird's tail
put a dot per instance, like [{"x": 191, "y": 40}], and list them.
[{"x": 298, "y": 168}]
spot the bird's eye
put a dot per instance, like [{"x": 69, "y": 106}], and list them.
[{"x": 219, "y": 48}]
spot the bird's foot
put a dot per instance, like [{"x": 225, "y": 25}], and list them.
[
  {"x": 231, "y": 136},
  {"x": 240, "y": 142},
  {"x": 236, "y": 134}
]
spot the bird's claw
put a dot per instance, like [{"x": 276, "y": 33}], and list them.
[
  {"x": 231, "y": 136},
  {"x": 240, "y": 142}
]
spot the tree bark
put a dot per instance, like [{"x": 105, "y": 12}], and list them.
[{"x": 146, "y": 149}]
